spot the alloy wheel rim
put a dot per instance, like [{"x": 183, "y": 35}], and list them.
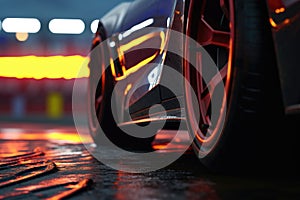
[{"x": 212, "y": 28}]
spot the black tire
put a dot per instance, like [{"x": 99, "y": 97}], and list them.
[
  {"x": 247, "y": 139},
  {"x": 102, "y": 108}
]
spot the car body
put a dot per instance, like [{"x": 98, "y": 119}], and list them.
[{"x": 136, "y": 93}]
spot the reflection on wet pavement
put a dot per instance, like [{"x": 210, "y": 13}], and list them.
[
  {"x": 43, "y": 173},
  {"x": 28, "y": 173},
  {"x": 36, "y": 166}
]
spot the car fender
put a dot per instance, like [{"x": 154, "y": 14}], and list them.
[{"x": 112, "y": 21}]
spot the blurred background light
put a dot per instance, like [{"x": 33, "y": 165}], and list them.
[
  {"x": 37, "y": 71},
  {"x": 38, "y": 67},
  {"x": 22, "y": 37},
  {"x": 94, "y": 25},
  {"x": 66, "y": 26},
  {"x": 21, "y": 25}
]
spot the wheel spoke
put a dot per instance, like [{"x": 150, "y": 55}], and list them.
[
  {"x": 224, "y": 8},
  {"x": 216, "y": 79},
  {"x": 199, "y": 69},
  {"x": 203, "y": 7},
  {"x": 204, "y": 106},
  {"x": 200, "y": 87},
  {"x": 98, "y": 102},
  {"x": 221, "y": 38},
  {"x": 205, "y": 97},
  {"x": 207, "y": 35}
]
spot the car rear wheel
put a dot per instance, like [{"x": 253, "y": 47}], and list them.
[{"x": 237, "y": 36}]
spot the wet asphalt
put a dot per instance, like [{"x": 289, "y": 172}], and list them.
[{"x": 39, "y": 161}]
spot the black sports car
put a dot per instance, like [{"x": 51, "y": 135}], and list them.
[{"x": 231, "y": 111}]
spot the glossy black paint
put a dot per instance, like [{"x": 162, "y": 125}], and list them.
[{"x": 129, "y": 14}]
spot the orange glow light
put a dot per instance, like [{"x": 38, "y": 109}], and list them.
[
  {"x": 280, "y": 10},
  {"x": 51, "y": 67},
  {"x": 274, "y": 25}
]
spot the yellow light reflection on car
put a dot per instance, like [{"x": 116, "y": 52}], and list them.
[{"x": 135, "y": 43}]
